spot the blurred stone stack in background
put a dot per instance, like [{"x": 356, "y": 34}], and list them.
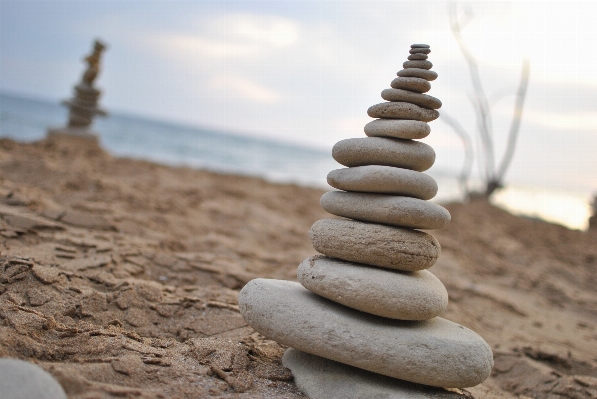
[
  {"x": 367, "y": 309},
  {"x": 84, "y": 106}
]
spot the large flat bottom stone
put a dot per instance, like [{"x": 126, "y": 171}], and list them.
[
  {"x": 433, "y": 352},
  {"x": 320, "y": 378}
]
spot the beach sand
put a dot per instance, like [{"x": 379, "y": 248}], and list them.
[{"x": 120, "y": 277}]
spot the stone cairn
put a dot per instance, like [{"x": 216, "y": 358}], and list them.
[
  {"x": 83, "y": 107},
  {"x": 368, "y": 301}
]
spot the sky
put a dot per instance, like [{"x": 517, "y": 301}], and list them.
[{"x": 306, "y": 71}]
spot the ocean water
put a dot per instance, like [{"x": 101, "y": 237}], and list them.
[{"x": 26, "y": 119}]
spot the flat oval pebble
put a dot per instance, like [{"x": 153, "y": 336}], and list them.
[
  {"x": 397, "y": 128},
  {"x": 422, "y": 100},
  {"x": 382, "y": 292},
  {"x": 419, "y": 51},
  {"x": 384, "y": 180},
  {"x": 417, "y": 56},
  {"x": 386, "y": 209},
  {"x": 320, "y": 378},
  {"x": 419, "y": 45},
  {"x": 406, "y": 154},
  {"x": 411, "y": 83},
  {"x": 418, "y": 73},
  {"x": 402, "y": 110},
  {"x": 417, "y": 64},
  {"x": 375, "y": 244},
  {"x": 24, "y": 380},
  {"x": 434, "y": 352}
]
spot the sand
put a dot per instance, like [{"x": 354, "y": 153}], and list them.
[{"x": 120, "y": 277}]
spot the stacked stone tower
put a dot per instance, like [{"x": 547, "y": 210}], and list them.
[
  {"x": 83, "y": 107},
  {"x": 368, "y": 301}
]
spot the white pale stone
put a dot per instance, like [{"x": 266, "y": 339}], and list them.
[
  {"x": 375, "y": 244},
  {"x": 433, "y": 352},
  {"x": 320, "y": 378},
  {"x": 407, "y": 154},
  {"x": 384, "y": 180},
  {"x": 386, "y": 209},
  {"x": 24, "y": 380},
  {"x": 397, "y": 128},
  {"x": 382, "y": 292}
]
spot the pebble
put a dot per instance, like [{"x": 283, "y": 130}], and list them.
[
  {"x": 397, "y": 128},
  {"x": 418, "y": 73},
  {"x": 411, "y": 83},
  {"x": 417, "y": 56},
  {"x": 418, "y": 45},
  {"x": 402, "y": 110},
  {"x": 320, "y": 378},
  {"x": 419, "y": 51},
  {"x": 375, "y": 244},
  {"x": 422, "y": 100},
  {"x": 386, "y": 209},
  {"x": 24, "y": 380},
  {"x": 387, "y": 293},
  {"x": 384, "y": 180},
  {"x": 434, "y": 352},
  {"x": 399, "y": 153},
  {"x": 417, "y": 64}
]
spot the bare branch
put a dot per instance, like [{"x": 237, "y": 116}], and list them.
[
  {"x": 481, "y": 99},
  {"x": 514, "y": 128}
]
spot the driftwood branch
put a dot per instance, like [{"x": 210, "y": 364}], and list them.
[{"x": 482, "y": 107}]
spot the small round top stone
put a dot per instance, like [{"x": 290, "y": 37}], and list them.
[{"x": 419, "y": 46}]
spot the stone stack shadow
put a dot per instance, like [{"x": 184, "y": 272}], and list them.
[{"x": 381, "y": 304}]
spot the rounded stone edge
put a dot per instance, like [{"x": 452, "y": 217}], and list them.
[
  {"x": 380, "y": 179},
  {"x": 424, "y": 161},
  {"x": 376, "y": 251},
  {"x": 408, "y": 212},
  {"x": 402, "y": 110},
  {"x": 399, "y": 309},
  {"x": 397, "y": 128},
  {"x": 417, "y": 64},
  {"x": 420, "y": 99},
  {"x": 417, "y": 73}
]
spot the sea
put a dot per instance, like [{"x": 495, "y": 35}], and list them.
[{"x": 27, "y": 119}]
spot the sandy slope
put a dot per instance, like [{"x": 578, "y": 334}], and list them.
[{"x": 120, "y": 278}]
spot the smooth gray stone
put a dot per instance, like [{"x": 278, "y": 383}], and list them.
[
  {"x": 422, "y": 100},
  {"x": 419, "y": 51},
  {"x": 397, "y": 128},
  {"x": 418, "y": 73},
  {"x": 411, "y": 83},
  {"x": 384, "y": 180},
  {"x": 320, "y": 378},
  {"x": 417, "y": 64},
  {"x": 433, "y": 352},
  {"x": 386, "y": 209},
  {"x": 24, "y": 380},
  {"x": 387, "y": 293},
  {"x": 419, "y": 45},
  {"x": 407, "y": 154},
  {"x": 402, "y": 110},
  {"x": 375, "y": 244},
  {"x": 417, "y": 56}
]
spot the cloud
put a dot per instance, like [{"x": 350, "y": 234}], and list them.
[
  {"x": 236, "y": 86},
  {"x": 228, "y": 37}
]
